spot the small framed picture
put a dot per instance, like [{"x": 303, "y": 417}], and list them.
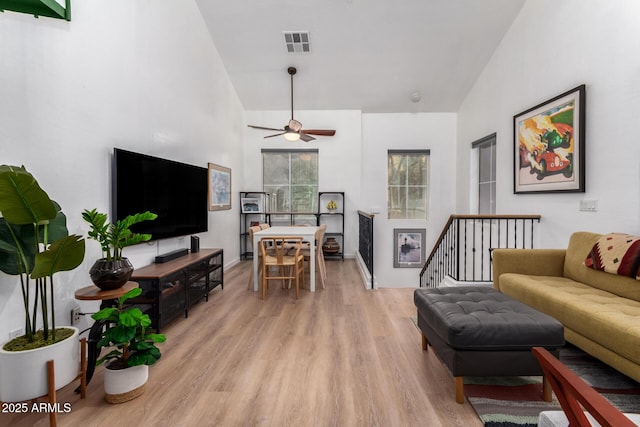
[
  {"x": 409, "y": 247},
  {"x": 251, "y": 205},
  {"x": 219, "y": 187},
  {"x": 549, "y": 145}
]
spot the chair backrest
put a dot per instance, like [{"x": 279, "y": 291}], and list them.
[
  {"x": 253, "y": 229},
  {"x": 320, "y": 235},
  {"x": 572, "y": 392},
  {"x": 280, "y": 247}
]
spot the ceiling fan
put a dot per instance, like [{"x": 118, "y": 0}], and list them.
[{"x": 293, "y": 130}]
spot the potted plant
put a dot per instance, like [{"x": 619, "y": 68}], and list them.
[
  {"x": 34, "y": 245},
  {"x": 126, "y": 370},
  {"x": 113, "y": 270}
]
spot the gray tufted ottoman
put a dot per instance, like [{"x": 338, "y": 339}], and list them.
[{"x": 477, "y": 331}]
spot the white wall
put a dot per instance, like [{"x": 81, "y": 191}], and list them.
[
  {"x": 139, "y": 75},
  {"x": 552, "y": 47},
  {"x": 355, "y": 161},
  {"x": 338, "y": 156},
  {"x": 380, "y": 132}
]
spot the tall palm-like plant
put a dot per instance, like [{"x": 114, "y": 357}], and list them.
[{"x": 34, "y": 244}]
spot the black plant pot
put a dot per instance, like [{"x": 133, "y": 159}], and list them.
[{"x": 109, "y": 275}]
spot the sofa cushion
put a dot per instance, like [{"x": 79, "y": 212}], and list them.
[
  {"x": 615, "y": 253},
  {"x": 580, "y": 244},
  {"x": 601, "y": 316}
]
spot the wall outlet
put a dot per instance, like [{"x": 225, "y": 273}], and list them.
[
  {"x": 16, "y": 333},
  {"x": 75, "y": 315}
]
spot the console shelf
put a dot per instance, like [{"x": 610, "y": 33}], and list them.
[{"x": 170, "y": 288}]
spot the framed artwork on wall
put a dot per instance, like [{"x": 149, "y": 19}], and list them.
[
  {"x": 219, "y": 187},
  {"x": 409, "y": 247},
  {"x": 548, "y": 143},
  {"x": 251, "y": 205}
]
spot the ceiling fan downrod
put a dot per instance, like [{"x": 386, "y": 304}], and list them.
[{"x": 291, "y": 71}]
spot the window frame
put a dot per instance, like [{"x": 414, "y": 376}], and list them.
[
  {"x": 482, "y": 143},
  {"x": 289, "y": 185},
  {"x": 407, "y": 186}
]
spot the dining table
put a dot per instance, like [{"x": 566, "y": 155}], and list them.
[{"x": 307, "y": 233}]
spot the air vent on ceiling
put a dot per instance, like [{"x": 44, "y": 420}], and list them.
[{"x": 297, "y": 41}]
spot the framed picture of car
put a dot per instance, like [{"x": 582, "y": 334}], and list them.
[
  {"x": 408, "y": 247},
  {"x": 548, "y": 142}
]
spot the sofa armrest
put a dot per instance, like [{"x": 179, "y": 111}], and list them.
[{"x": 536, "y": 262}]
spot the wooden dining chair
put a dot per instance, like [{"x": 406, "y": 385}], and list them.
[
  {"x": 290, "y": 266},
  {"x": 306, "y": 252}
]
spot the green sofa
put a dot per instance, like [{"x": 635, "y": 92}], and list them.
[{"x": 600, "y": 311}]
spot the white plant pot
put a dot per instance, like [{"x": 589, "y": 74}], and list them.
[
  {"x": 23, "y": 374},
  {"x": 122, "y": 385}
]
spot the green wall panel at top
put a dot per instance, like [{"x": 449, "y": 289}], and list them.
[{"x": 50, "y": 8}]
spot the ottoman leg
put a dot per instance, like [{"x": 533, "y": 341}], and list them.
[
  {"x": 424, "y": 342},
  {"x": 459, "y": 389},
  {"x": 546, "y": 389}
]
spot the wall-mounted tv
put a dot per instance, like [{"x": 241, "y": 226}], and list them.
[{"x": 176, "y": 192}]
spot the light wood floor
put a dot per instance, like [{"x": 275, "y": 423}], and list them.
[{"x": 342, "y": 356}]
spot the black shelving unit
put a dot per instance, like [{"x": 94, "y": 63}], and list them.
[
  {"x": 334, "y": 219},
  {"x": 247, "y": 217}
]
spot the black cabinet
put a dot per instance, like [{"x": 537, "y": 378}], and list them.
[{"x": 170, "y": 288}]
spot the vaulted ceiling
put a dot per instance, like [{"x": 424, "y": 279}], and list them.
[{"x": 369, "y": 55}]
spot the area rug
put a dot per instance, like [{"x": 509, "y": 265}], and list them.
[{"x": 517, "y": 401}]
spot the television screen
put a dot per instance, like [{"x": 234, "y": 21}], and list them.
[{"x": 176, "y": 192}]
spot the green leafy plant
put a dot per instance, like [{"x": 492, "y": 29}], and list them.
[
  {"x": 34, "y": 244},
  {"x": 114, "y": 237},
  {"x": 126, "y": 330}
]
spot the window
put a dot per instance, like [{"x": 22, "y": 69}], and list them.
[
  {"x": 486, "y": 154},
  {"x": 291, "y": 178},
  {"x": 407, "y": 178}
]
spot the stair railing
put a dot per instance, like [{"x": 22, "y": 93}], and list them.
[
  {"x": 365, "y": 241},
  {"x": 463, "y": 249}
]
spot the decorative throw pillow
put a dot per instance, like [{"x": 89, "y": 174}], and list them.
[{"x": 616, "y": 253}]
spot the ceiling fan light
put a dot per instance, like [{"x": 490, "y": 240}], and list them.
[{"x": 291, "y": 136}]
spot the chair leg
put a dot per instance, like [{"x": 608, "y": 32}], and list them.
[
  {"x": 321, "y": 268},
  {"x": 263, "y": 282},
  {"x": 250, "y": 284}
]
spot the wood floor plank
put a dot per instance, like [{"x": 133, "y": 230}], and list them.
[{"x": 342, "y": 356}]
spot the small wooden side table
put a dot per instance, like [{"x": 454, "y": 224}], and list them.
[{"x": 109, "y": 299}]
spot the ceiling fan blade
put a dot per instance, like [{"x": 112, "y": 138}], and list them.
[
  {"x": 277, "y": 134},
  {"x": 305, "y": 137},
  {"x": 321, "y": 132},
  {"x": 264, "y": 128}
]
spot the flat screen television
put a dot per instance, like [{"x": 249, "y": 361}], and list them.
[{"x": 176, "y": 192}]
